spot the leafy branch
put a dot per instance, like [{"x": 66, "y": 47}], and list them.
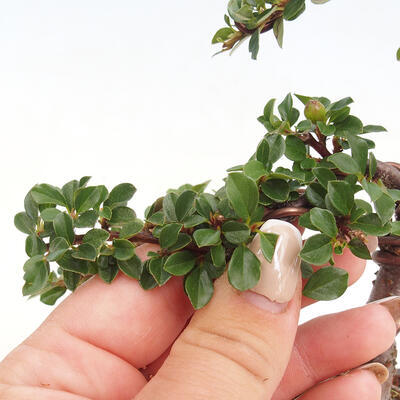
[
  {"x": 86, "y": 230},
  {"x": 248, "y": 19}
]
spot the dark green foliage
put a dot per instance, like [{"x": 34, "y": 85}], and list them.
[{"x": 201, "y": 235}]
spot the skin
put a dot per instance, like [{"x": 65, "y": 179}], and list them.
[{"x": 104, "y": 341}]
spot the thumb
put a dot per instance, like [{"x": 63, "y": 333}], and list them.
[{"x": 238, "y": 346}]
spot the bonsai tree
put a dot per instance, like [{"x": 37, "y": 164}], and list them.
[{"x": 77, "y": 231}]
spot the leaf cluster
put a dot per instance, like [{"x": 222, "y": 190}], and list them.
[
  {"x": 86, "y": 230},
  {"x": 247, "y": 19}
]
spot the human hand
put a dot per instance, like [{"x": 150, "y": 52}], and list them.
[{"x": 104, "y": 340}]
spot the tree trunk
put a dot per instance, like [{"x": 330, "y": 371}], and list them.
[{"x": 387, "y": 283}]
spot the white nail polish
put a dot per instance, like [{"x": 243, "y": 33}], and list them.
[{"x": 279, "y": 278}]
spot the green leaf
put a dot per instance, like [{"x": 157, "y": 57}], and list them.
[
  {"x": 242, "y": 193},
  {"x": 373, "y": 128},
  {"x": 254, "y": 169},
  {"x": 384, "y": 207},
  {"x": 169, "y": 235},
  {"x": 68, "y": 190},
  {"x": 24, "y": 223},
  {"x": 147, "y": 281},
  {"x": 305, "y": 125},
  {"x": 276, "y": 147},
  {"x": 285, "y": 107},
  {"x": 305, "y": 221},
  {"x": 278, "y": 31},
  {"x": 295, "y": 148},
  {"x": 121, "y": 193},
  {"x": 340, "y": 115},
  {"x": 341, "y": 195},
  {"x": 48, "y": 214},
  {"x": 269, "y": 110},
  {"x": 328, "y": 283},
  {"x": 371, "y": 224},
  {"x": 45, "y": 193},
  {"x": 34, "y": 245},
  {"x": 157, "y": 218},
  {"x": 293, "y": 9},
  {"x": 359, "y": 249},
  {"x": 338, "y": 105},
  {"x": 317, "y": 250},
  {"x": 69, "y": 263},
  {"x": 306, "y": 270},
  {"x": 193, "y": 220},
  {"x": 36, "y": 274},
  {"x": 122, "y": 215},
  {"x": 345, "y": 163},
  {"x": 276, "y": 189},
  {"x": 303, "y": 99},
  {"x": 359, "y": 152},
  {"x": 363, "y": 205},
  {"x": 87, "y": 220},
  {"x": 183, "y": 240},
  {"x": 372, "y": 166},
  {"x": 254, "y": 44},
  {"x": 244, "y": 269},
  {"x": 268, "y": 243},
  {"x": 131, "y": 229},
  {"x": 239, "y": 13},
  {"x": 326, "y": 130},
  {"x": 133, "y": 267},
  {"x": 156, "y": 269},
  {"x": 105, "y": 212},
  {"x": 169, "y": 206},
  {"x": 206, "y": 237},
  {"x": 58, "y": 246},
  {"x": 199, "y": 287},
  {"x": 374, "y": 190},
  {"x": 308, "y": 163},
  {"x": 235, "y": 232},
  {"x": 222, "y": 35},
  {"x": 325, "y": 221},
  {"x": 96, "y": 237},
  {"x": 351, "y": 125},
  {"x": 85, "y": 251},
  {"x": 184, "y": 203},
  {"x": 394, "y": 194},
  {"x": 63, "y": 227},
  {"x": 123, "y": 249},
  {"x": 324, "y": 175},
  {"x": 315, "y": 194},
  {"x": 180, "y": 263},
  {"x": 206, "y": 204},
  {"x": 262, "y": 153},
  {"x": 71, "y": 279},
  {"x": 84, "y": 180},
  {"x": 51, "y": 296},
  {"x": 86, "y": 198},
  {"x": 108, "y": 268},
  {"x": 30, "y": 206},
  {"x": 218, "y": 255},
  {"x": 395, "y": 228}
]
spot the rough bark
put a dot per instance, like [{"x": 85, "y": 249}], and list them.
[{"x": 387, "y": 283}]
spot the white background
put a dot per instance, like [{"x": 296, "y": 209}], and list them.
[{"x": 127, "y": 91}]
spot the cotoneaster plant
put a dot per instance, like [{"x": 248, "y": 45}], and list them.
[
  {"x": 78, "y": 231},
  {"x": 318, "y": 172}
]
